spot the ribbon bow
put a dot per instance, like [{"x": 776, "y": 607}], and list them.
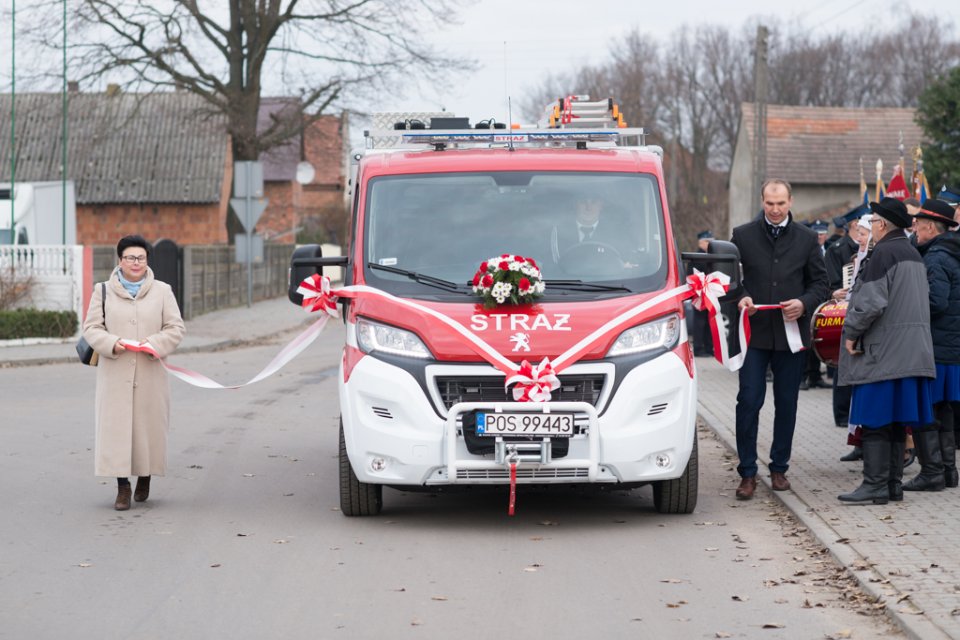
[
  {"x": 317, "y": 295},
  {"x": 533, "y": 383},
  {"x": 707, "y": 289}
]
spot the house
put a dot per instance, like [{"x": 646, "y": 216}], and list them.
[
  {"x": 161, "y": 164},
  {"x": 819, "y": 151},
  {"x": 325, "y": 146}
]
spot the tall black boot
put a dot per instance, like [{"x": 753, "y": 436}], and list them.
[
  {"x": 876, "y": 469},
  {"x": 930, "y": 477},
  {"x": 854, "y": 455},
  {"x": 895, "y": 484},
  {"x": 946, "y": 415}
]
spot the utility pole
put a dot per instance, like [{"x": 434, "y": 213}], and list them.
[{"x": 760, "y": 90}]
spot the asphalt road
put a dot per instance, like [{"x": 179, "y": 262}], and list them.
[{"x": 243, "y": 539}]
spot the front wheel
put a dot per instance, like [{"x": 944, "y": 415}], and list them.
[
  {"x": 356, "y": 498},
  {"x": 679, "y": 495}
]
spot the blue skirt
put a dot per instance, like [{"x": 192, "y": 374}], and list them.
[
  {"x": 946, "y": 388},
  {"x": 906, "y": 400}
]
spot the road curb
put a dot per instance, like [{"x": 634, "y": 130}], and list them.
[{"x": 918, "y": 626}]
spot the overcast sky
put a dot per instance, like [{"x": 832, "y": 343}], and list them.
[{"x": 517, "y": 42}]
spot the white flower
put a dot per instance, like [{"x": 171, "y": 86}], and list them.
[
  {"x": 501, "y": 290},
  {"x": 516, "y": 266},
  {"x": 538, "y": 287}
]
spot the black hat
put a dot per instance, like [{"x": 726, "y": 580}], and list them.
[
  {"x": 938, "y": 211},
  {"x": 950, "y": 195},
  {"x": 851, "y": 216},
  {"x": 706, "y": 234},
  {"x": 893, "y": 210}
]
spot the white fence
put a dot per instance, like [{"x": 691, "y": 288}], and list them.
[{"x": 54, "y": 271}]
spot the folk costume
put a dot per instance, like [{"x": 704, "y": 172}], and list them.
[
  {"x": 936, "y": 442},
  {"x": 889, "y": 320}
]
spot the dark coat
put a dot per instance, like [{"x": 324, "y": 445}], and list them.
[
  {"x": 889, "y": 316},
  {"x": 839, "y": 254},
  {"x": 778, "y": 270},
  {"x": 942, "y": 259}
]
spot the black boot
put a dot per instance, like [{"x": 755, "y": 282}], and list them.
[
  {"x": 895, "y": 484},
  {"x": 930, "y": 477},
  {"x": 876, "y": 469},
  {"x": 855, "y": 454},
  {"x": 948, "y": 444}
]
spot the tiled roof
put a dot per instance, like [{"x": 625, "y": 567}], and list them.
[
  {"x": 126, "y": 148},
  {"x": 823, "y": 145}
]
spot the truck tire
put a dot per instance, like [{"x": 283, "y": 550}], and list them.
[
  {"x": 679, "y": 495},
  {"x": 356, "y": 498}
]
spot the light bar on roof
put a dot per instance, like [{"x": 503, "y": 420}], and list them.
[{"x": 429, "y": 136}]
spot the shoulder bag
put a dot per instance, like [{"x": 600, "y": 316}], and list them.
[{"x": 84, "y": 350}]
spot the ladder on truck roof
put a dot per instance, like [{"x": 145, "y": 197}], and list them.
[{"x": 573, "y": 121}]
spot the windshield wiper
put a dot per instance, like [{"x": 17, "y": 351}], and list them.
[
  {"x": 580, "y": 285},
  {"x": 422, "y": 278}
]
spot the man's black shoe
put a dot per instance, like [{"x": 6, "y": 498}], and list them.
[{"x": 804, "y": 385}]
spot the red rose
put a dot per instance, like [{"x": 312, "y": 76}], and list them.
[
  {"x": 487, "y": 280},
  {"x": 519, "y": 258},
  {"x": 504, "y": 255},
  {"x": 476, "y": 279},
  {"x": 532, "y": 261},
  {"x": 524, "y": 284},
  {"x": 504, "y": 266},
  {"x": 483, "y": 266}
]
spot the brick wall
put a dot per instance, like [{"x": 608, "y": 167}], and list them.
[
  {"x": 182, "y": 223},
  {"x": 325, "y": 147}
]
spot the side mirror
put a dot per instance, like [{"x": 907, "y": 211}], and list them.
[
  {"x": 306, "y": 261},
  {"x": 721, "y": 256}
]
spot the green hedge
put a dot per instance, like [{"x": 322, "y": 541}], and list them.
[{"x": 32, "y": 323}]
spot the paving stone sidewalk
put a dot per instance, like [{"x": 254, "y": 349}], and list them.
[{"x": 906, "y": 553}]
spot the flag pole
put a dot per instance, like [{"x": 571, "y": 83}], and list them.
[{"x": 879, "y": 174}]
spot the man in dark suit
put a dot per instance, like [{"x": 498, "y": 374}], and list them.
[
  {"x": 782, "y": 264},
  {"x": 591, "y": 234}
]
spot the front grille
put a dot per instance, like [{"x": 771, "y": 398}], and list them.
[
  {"x": 573, "y": 388},
  {"x": 522, "y": 473}
]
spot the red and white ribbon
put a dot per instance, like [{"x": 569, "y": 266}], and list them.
[
  {"x": 533, "y": 383},
  {"x": 317, "y": 295},
  {"x": 706, "y": 291}
]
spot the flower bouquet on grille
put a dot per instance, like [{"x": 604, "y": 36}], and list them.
[{"x": 508, "y": 279}]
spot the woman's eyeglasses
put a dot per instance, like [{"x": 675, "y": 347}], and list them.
[{"x": 134, "y": 259}]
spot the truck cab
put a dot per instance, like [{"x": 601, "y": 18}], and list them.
[{"x": 419, "y": 407}]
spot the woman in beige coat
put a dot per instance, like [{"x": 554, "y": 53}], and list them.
[{"x": 133, "y": 394}]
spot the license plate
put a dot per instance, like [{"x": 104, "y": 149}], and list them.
[{"x": 556, "y": 425}]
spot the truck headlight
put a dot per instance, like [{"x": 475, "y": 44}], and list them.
[
  {"x": 661, "y": 333},
  {"x": 373, "y": 336}
]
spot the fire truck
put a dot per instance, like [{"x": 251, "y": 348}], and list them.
[{"x": 584, "y": 196}]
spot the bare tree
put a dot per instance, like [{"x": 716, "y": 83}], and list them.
[{"x": 226, "y": 53}]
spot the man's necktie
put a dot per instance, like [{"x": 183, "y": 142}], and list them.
[
  {"x": 586, "y": 232},
  {"x": 774, "y": 230}
]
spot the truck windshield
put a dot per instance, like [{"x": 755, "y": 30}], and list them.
[{"x": 580, "y": 227}]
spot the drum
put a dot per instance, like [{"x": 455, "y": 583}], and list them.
[{"x": 826, "y": 331}]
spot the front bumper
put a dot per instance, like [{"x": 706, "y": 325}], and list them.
[{"x": 644, "y": 431}]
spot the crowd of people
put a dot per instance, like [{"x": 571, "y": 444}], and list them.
[{"x": 896, "y": 386}]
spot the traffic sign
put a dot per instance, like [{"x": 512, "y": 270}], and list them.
[{"x": 248, "y": 211}]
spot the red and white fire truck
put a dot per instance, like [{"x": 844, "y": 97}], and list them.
[{"x": 584, "y": 196}]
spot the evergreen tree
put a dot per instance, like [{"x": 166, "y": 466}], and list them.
[{"x": 938, "y": 112}]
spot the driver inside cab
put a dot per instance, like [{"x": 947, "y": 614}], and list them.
[{"x": 590, "y": 234}]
